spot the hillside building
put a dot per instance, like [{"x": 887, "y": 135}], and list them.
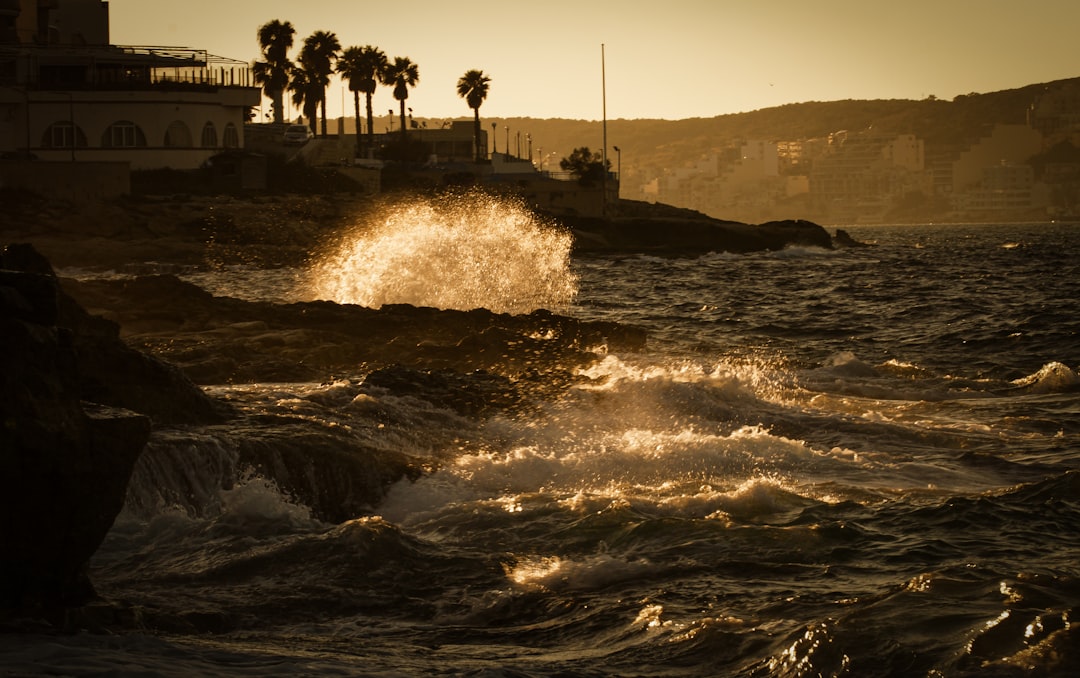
[
  {"x": 994, "y": 175},
  {"x": 1056, "y": 114},
  {"x": 862, "y": 175}
]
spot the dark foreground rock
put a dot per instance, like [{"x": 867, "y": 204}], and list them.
[{"x": 64, "y": 463}]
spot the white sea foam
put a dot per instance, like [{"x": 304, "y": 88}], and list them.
[
  {"x": 555, "y": 573},
  {"x": 1051, "y": 378}
]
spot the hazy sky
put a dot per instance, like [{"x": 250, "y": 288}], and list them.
[{"x": 669, "y": 59}]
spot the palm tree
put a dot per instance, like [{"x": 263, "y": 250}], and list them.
[
  {"x": 275, "y": 40},
  {"x": 317, "y": 60},
  {"x": 361, "y": 66},
  {"x": 306, "y": 94},
  {"x": 473, "y": 87},
  {"x": 402, "y": 74}
]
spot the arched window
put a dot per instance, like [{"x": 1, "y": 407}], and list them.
[
  {"x": 209, "y": 135},
  {"x": 232, "y": 137},
  {"x": 123, "y": 134},
  {"x": 178, "y": 135},
  {"x": 63, "y": 134}
]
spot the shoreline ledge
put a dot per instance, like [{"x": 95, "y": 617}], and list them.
[
  {"x": 636, "y": 227},
  {"x": 288, "y": 230}
]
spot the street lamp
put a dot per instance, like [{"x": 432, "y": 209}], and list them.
[
  {"x": 494, "y": 140},
  {"x": 391, "y": 115}
]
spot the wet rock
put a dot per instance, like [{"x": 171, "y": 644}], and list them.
[
  {"x": 108, "y": 371},
  {"x": 64, "y": 463},
  {"x": 218, "y": 340},
  {"x": 844, "y": 239},
  {"x": 678, "y": 233}
]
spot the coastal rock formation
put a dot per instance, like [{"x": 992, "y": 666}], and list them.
[
  {"x": 184, "y": 231},
  {"x": 219, "y": 340},
  {"x": 465, "y": 364},
  {"x": 641, "y": 228},
  {"x": 65, "y": 462}
]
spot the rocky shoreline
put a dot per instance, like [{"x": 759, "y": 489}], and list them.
[
  {"x": 94, "y": 370},
  {"x": 288, "y": 230}
]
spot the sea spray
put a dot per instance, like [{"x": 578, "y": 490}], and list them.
[{"x": 460, "y": 251}]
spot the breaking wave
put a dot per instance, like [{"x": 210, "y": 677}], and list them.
[{"x": 464, "y": 251}]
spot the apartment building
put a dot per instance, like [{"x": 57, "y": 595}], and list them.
[{"x": 68, "y": 95}]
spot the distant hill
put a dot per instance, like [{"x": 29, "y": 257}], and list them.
[{"x": 650, "y": 146}]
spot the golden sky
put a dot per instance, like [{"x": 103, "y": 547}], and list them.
[{"x": 670, "y": 59}]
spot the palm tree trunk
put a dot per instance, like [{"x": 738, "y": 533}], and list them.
[
  {"x": 356, "y": 117},
  {"x": 312, "y": 113},
  {"x": 476, "y": 135},
  {"x": 404, "y": 132},
  {"x": 278, "y": 100},
  {"x": 370, "y": 124},
  {"x": 322, "y": 104}
]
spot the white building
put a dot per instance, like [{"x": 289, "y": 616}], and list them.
[{"x": 67, "y": 95}]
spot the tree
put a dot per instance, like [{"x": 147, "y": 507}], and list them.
[
  {"x": 402, "y": 74},
  {"x": 587, "y": 166},
  {"x": 306, "y": 93},
  {"x": 317, "y": 58},
  {"x": 362, "y": 67},
  {"x": 275, "y": 40},
  {"x": 473, "y": 87},
  {"x": 350, "y": 66}
]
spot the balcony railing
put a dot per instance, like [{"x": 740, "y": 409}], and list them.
[{"x": 117, "y": 67}]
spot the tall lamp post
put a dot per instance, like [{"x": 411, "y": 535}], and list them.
[
  {"x": 603, "y": 148},
  {"x": 494, "y": 140},
  {"x": 618, "y": 171}
]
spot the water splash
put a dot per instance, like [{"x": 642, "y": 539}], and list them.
[{"x": 463, "y": 251}]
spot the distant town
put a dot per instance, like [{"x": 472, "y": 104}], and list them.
[{"x": 1024, "y": 171}]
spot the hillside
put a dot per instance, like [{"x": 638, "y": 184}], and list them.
[{"x": 942, "y": 124}]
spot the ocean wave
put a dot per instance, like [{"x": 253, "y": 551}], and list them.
[{"x": 1054, "y": 377}]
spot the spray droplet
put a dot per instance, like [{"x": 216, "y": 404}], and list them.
[{"x": 463, "y": 251}]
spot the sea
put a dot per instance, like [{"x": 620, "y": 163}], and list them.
[{"x": 852, "y": 462}]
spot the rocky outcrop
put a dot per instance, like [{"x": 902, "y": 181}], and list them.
[
  {"x": 844, "y": 239},
  {"x": 218, "y": 340},
  {"x": 474, "y": 364},
  {"x": 64, "y": 463},
  {"x": 679, "y": 234}
]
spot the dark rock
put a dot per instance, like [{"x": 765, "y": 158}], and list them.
[
  {"x": 781, "y": 234},
  {"x": 468, "y": 395},
  {"x": 328, "y": 470},
  {"x": 677, "y": 234},
  {"x": 219, "y": 340},
  {"x": 74, "y": 418},
  {"x": 64, "y": 465},
  {"x": 844, "y": 239},
  {"x": 108, "y": 371}
]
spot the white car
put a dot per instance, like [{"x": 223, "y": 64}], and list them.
[{"x": 297, "y": 135}]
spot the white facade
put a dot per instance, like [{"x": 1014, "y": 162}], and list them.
[
  {"x": 66, "y": 97},
  {"x": 179, "y": 130}
]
